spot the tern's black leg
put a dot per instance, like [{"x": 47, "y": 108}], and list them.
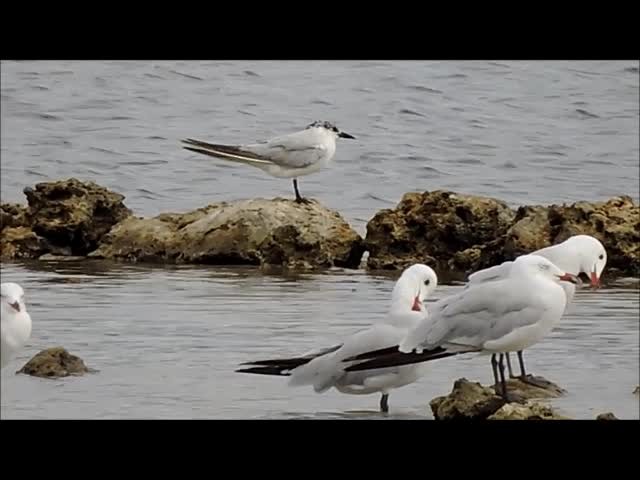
[
  {"x": 384, "y": 403},
  {"x": 511, "y": 375},
  {"x": 299, "y": 199}
]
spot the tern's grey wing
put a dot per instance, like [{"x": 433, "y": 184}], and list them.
[
  {"x": 297, "y": 150},
  {"x": 482, "y": 312}
]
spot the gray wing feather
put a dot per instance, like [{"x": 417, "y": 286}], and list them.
[{"x": 478, "y": 314}]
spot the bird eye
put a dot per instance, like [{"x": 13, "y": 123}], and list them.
[
  {"x": 427, "y": 282},
  {"x": 601, "y": 257}
]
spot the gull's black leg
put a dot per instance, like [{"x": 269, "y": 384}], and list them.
[
  {"x": 522, "y": 372},
  {"x": 494, "y": 366},
  {"x": 511, "y": 375},
  {"x": 503, "y": 382},
  {"x": 384, "y": 403}
]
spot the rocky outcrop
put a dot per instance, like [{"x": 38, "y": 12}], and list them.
[
  {"x": 277, "y": 232},
  {"x": 67, "y": 217},
  {"x": 464, "y": 233},
  {"x": 431, "y": 227},
  {"x": 471, "y": 400},
  {"x": 467, "y": 400},
  {"x": 73, "y": 215},
  {"x": 616, "y": 223},
  {"x": 55, "y": 362}
]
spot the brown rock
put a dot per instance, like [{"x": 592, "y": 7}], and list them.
[
  {"x": 545, "y": 389},
  {"x": 21, "y": 243},
  {"x": 13, "y": 215},
  {"x": 468, "y": 400},
  {"x": 74, "y": 215},
  {"x": 432, "y": 227},
  {"x": 528, "y": 411},
  {"x": 607, "y": 416},
  {"x": 616, "y": 223},
  {"x": 55, "y": 363},
  {"x": 278, "y": 232}
]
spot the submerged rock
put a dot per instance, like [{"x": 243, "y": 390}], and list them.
[
  {"x": 277, "y": 232},
  {"x": 607, "y": 416},
  {"x": 471, "y": 400},
  {"x": 55, "y": 362},
  {"x": 432, "y": 227},
  {"x": 637, "y": 390}
]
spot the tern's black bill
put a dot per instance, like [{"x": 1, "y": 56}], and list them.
[{"x": 345, "y": 135}]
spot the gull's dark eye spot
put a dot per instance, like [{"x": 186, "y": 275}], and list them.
[
  {"x": 427, "y": 282},
  {"x": 601, "y": 257}
]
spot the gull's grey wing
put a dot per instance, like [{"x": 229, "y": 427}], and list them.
[
  {"x": 482, "y": 312},
  {"x": 492, "y": 273}
]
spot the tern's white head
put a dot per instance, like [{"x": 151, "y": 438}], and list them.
[
  {"x": 330, "y": 128},
  {"x": 591, "y": 254},
  {"x": 536, "y": 265},
  {"x": 12, "y": 297},
  {"x": 415, "y": 284}
]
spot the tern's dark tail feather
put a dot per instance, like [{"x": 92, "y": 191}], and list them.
[{"x": 230, "y": 152}]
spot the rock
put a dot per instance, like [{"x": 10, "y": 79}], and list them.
[
  {"x": 616, "y": 223},
  {"x": 465, "y": 233},
  {"x": 432, "y": 227},
  {"x": 468, "y": 400},
  {"x": 73, "y": 215},
  {"x": 471, "y": 400},
  {"x": 55, "y": 363},
  {"x": 13, "y": 215},
  {"x": 277, "y": 232},
  {"x": 21, "y": 243},
  {"x": 637, "y": 390},
  {"x": 607, "y": 416},
  {"x": 528, "y": 411},
  {"x": 545, "y": 389}
]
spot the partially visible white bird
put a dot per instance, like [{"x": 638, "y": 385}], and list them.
[
  {"x": 324, "y": 369},
  {"x": 287, "y": 156},
  {"x": 15, "y": 322},
  {"x": 577, "y": 254},
  {"x": 504, "y": 315}
]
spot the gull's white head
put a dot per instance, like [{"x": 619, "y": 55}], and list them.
[
  {"x": 12, "y": 297},
  {"x": 537, "y": 265},
  {"x": 330, "y": 128},
  {"x": 415, "y": 284},
  {"x": 591, "y": 254}
]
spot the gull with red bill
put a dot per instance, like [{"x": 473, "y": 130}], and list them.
[
  {"x": 324, "y": 369},
  {"x": 15, "y": 323},
  {"x": 504, "y": 315},
  {"x": 579, "y": 254}
]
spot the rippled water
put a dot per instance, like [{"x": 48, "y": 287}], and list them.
[{"x": 166, "y": 340}]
